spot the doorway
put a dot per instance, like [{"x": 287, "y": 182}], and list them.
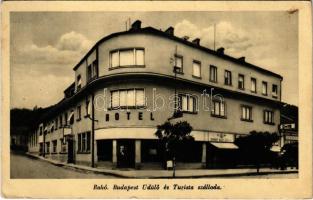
[{"x": 125, "y": 154}]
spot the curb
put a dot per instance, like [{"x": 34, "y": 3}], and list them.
[{"x": 118, "y": 175}]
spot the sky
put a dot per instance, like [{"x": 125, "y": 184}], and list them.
[{"x": 45, "y": 46}]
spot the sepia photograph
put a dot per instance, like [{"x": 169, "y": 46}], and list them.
[{"x": 154, "y": 95}]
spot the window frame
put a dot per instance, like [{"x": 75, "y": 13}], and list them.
[
  {"x": 243, "y": 81},
  {"x": 79, "y": 82},
  {"x": 230, "y": 78},
  {"x": 79, "y": 112},
  {"x": 270, "y": 113},
  {"x": 213, "y": 111},
  {"x": 199, "y": 63},
  {"x": 135, "y": 98},
  {"x": 250, "y": 119},
  {"x": 84, "y": 142},
  {"x": 188, "y": 96},
  {"x": 181, "y": 71},
  {"x": 255, "y": 82},
  {"x": 214, "y": 68},
  {"x": 134, "y": 65},
  {"x": 266, "y": 88},
  {"x": 275, "y": 95}
]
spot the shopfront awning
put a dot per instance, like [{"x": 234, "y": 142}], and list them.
[
  {"x": 275, "y": 149},
  {"x": 224, "y": 145}
]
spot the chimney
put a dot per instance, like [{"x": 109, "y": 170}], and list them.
[
  {"x": 243, "y": 59},
  {"x": 136, "y": 25},
  {"x": 220, "y": 50},
  {"x": 170, "y": 30},
  {"x": 185, "y": 38},
  {"x": 196, "y": 41}
]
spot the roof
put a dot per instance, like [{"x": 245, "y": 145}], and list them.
[{"x": 153, "y": 31}]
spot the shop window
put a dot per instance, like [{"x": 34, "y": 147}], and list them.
[
  {"x": 246, "y": 113},
  {"x": 187, "y": 103},
  {"x": 127, "y": 58},
  {"x": 228, "y": 78},
  {"x": 268, "y": 117},
  {"x": 128, "y": 98}
]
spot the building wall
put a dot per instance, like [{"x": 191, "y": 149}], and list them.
[
  {"x": 153, "y": 63},
  {"x": 200, "y": 121}
]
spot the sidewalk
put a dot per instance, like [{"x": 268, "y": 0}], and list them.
[{"x": 181, "y": 173}]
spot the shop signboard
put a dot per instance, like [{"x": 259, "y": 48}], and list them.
[{"x": 221, "y": 137}]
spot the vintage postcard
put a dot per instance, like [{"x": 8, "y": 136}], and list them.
[{"x": 157, "y": 99}]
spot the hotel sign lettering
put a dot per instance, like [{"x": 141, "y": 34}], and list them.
[
  {"x": 128, "y": 116},
  {"x": 221, "y": 137}
]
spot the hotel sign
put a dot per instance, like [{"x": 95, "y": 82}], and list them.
[{"x": 221, "y": 137}]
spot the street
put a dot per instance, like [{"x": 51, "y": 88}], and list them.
[
  {"x": 267, "y": 176},
  {"x": 25, "y": 167}
]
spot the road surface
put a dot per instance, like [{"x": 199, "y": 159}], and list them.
[{"x": 25, "y": 167}]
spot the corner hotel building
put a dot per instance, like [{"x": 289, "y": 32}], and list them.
[{"x": 129, "y": 71}]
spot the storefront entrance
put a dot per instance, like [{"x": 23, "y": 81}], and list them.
[{"x": 125, "y": 153}]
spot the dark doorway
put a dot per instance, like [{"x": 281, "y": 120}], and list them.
[
  {"x": 70, "y": 150},
  {"x": 104, "y": 150},
  {"x": 125, "y": 153}
]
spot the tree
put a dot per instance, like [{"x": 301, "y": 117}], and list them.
[
  {"x": 171, "y": 136},
  {"x": 256, "y": 146}
]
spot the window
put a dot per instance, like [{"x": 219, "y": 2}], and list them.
[
  {"x": 264, "y": 88},
  {"x": 274, "y": 91},
  {"x": 187, "y": 103},
  {"x": 178, "y": 64},
  {"x": 213, "y": 74},
  {"x": 218, "y": 109},
  {"x": 88, "y": 108},
  {"x": 253, "y": 85},
  {"x": 246, "y": 113},
  {"x": 92, "y": 71},
  {"x": 196, "y": 69},
  {"x": 63, "y": 146},
  {"x": 127, "y": 57},
  {"x": 84, "y": 142},
  {"x": 79, "y": 82},
  {"x": 54, "y": 146},
  {"x": 268, "y": 117},
  {"x": 79, "y": 113},
  {"x": 89, "y": 72},
  {"x": 47, "y": 147},
  {"x": 241, "y": 81},
  {"x": 130, "y": 98},
  {"x": 71, "y": 118},
  {"x": 228, "y": 79}
]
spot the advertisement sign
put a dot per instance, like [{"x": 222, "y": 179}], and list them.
[{"x": 221, "y": 137}]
